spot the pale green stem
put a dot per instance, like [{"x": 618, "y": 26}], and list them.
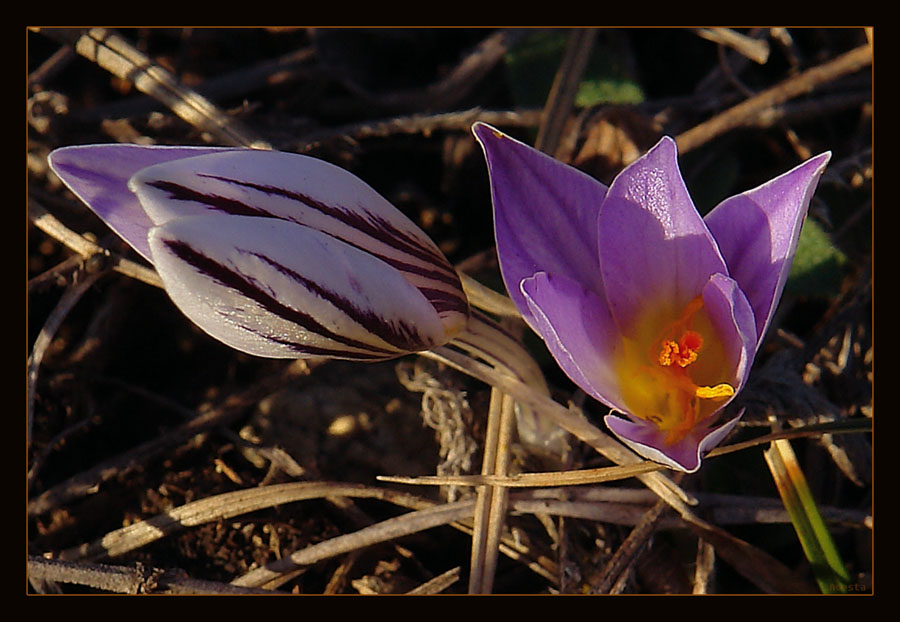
[
  {"x": 487, "y": 299},
  {"x": 486, "y": 340}
]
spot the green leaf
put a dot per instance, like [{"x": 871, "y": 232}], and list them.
[
  {"x": 818, "y": 263},
  {"x": 532, "y": 65},
  {"x": 819, "y": 548}
]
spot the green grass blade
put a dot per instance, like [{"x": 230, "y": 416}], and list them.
[{"x": 823, "y": 556}]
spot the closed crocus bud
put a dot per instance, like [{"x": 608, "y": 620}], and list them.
[
  {"x": 647, "y": 306},
  {"x": 275, "y": 254}
]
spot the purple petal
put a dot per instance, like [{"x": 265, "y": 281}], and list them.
[
  {"x": 544, "y": 214},
  {"x": 648, "y": 442},
  {"x": 99, "y": 174},
  {"x": 757, "y": 233},
  {"x": 734, "y": 324},
  {"x": 654, "y": 247},
  {"x": 578, "y": 330},
  {"x": 309, "y": 192},
  {"x": 277, "y": 289}
]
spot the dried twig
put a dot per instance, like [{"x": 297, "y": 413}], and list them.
[
  {"x": 755, "y": 49},
  {"x": 439, "y": 583},
  {"x": 625, "y": 555},
  {"x": 226, "y": 506},
  {"x": 458, "y": 121},
  {"x": 111, "y": 52},
  {"x": 749, "y": 110},
  {"x": 48, "y": 223},
  {"x": 136, "y": 579},
  {"x": 565, "y": 87}
]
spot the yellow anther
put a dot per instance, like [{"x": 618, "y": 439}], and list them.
[{"x": 720, "y": 390}]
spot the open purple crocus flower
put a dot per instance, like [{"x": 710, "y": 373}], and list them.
[
  {"x": 277, "y": 255},
  {"x": 649, "y": 308}
]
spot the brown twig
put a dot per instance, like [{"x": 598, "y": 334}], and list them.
[
  {"x": 629, "y": 549},
  {"x": 754, "y": 49},
  {"x": 137, "y": 579},
  {"x": 749, "y": 110},
  {"x": 114, "y": 54},
  {"x": 565, "y": 87},
  {"x": 49, "y": 224},
  {"x": 458, "y": 121}
]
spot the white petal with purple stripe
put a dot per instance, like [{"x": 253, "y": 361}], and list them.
[
  {"x": 310, "y": 192},
  {"x": 274, "y": 288}
]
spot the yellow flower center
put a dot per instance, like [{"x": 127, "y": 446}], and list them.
[{"x": 671, "y": 372}]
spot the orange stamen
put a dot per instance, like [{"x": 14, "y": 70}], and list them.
[
  {"x": 679, "y": 347},
  {"x": 664, "y": 379}
]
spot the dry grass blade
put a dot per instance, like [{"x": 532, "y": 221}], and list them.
[
  {"x": 499, "y": 497},
  {"x": 531, "y": 480},
  {"x": 703, "y": 571},
  {"x": 482, "y": 517},
  {"x": 439, "y": 583},
  {"x": 226, "y": 506},
  {"x": 487, "y": 299}
]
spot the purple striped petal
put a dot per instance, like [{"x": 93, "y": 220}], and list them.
[
  {"x": 654, "y": 247},
  {"x": 309, "y": 192},
  {"x": 544, "y": 214},
  {"x": 277, "y": 289},
  {"x": 757, "y": 232},
  {"x": 99, "y": 174}
]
